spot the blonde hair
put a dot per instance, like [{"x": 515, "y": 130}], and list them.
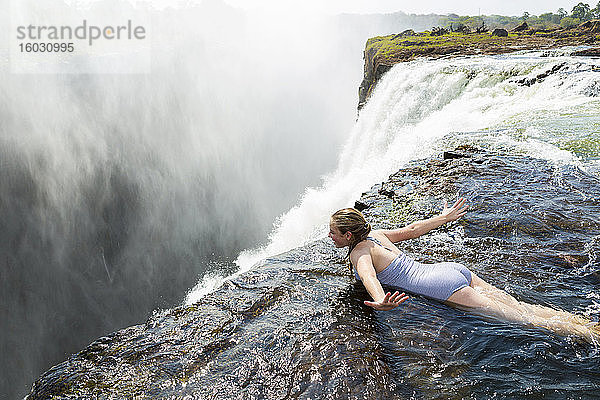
[{"x": 353, "y": 221}]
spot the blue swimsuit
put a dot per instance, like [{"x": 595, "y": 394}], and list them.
[{"x": 437, "y": 281}]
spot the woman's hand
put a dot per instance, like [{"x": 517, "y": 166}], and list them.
[
  {"x": 389, "y": 302},
  {"x": 456, "y": 211}
]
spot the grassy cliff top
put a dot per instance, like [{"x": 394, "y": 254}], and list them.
[{"x": 397, "y": 48}]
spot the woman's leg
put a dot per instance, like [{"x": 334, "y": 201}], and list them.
[
  {"x": 499, "y": 304},
  {"x": 539, "y": 311},
  {"x": 474, "y": 300},
  {"x": 492, "y": 291}
]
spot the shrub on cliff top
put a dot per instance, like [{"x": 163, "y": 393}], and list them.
[{"x": 568, "y": 22}]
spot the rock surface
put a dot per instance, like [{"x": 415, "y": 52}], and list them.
[{"x": 295, "y": 326}]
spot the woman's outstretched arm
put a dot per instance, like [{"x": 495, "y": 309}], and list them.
[
  {"x": 382, "y": 301},
  {"x": 421, "y": 227}
]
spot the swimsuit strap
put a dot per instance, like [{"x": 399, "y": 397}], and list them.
[{"x": 374, "y": 240}]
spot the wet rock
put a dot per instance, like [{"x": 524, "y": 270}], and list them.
[
  {"x": 593, "y": 90},
  {"x": 449, "y": 155},
  {"x": 373, "y": 72},
  {"x": 387, "y": 192},
  {"x": 540, "y": 77},
  {"x": 360, "y": 205},
  {"x": 591, "y": 52}
]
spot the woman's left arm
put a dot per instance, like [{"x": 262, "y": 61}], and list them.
[{"x": 419, "y": 228}]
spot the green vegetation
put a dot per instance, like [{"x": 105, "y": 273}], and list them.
[
  {"x": 423, "y": 43},
  {"x": 470, "y": 35},
  {"x": 580, "y": 13}
]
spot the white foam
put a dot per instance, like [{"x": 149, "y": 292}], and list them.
[{"x": 208, "y": 284}]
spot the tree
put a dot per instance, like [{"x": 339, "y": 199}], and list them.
[
  {"x": 561, "y": 13},
  {"x": 596, "y": 11},
  {"x": 581, "y": 11},
  {"x": 568, "y": 22},
  {"x": 551, "y": 18},
  {"x": 525, "y": 16}
]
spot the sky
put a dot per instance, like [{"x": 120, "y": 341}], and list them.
[{"x": 462, "y": 7}]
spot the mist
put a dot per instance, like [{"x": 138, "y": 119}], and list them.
[{"x": 120, "y": 191}]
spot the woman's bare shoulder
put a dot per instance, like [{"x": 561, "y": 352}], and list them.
[
  {"x": 382, "y": 236},
  {"x": 361, "y": 249},
  {"x": 379, "y": 234}
]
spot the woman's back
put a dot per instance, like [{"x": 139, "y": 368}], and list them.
[{"x": 380, "y": 248}]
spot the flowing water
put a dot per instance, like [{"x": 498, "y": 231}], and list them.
[{"x": 290, "y": 323}]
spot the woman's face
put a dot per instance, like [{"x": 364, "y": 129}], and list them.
[{"x": 339, "y": 239}]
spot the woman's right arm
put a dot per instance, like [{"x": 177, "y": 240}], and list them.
[{"x": 382, "y": 301}]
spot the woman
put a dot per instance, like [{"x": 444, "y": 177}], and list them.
[{"x": 376, "y": 260}]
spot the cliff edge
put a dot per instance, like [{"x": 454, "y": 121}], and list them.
[{"x": 383, "y": 52}]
